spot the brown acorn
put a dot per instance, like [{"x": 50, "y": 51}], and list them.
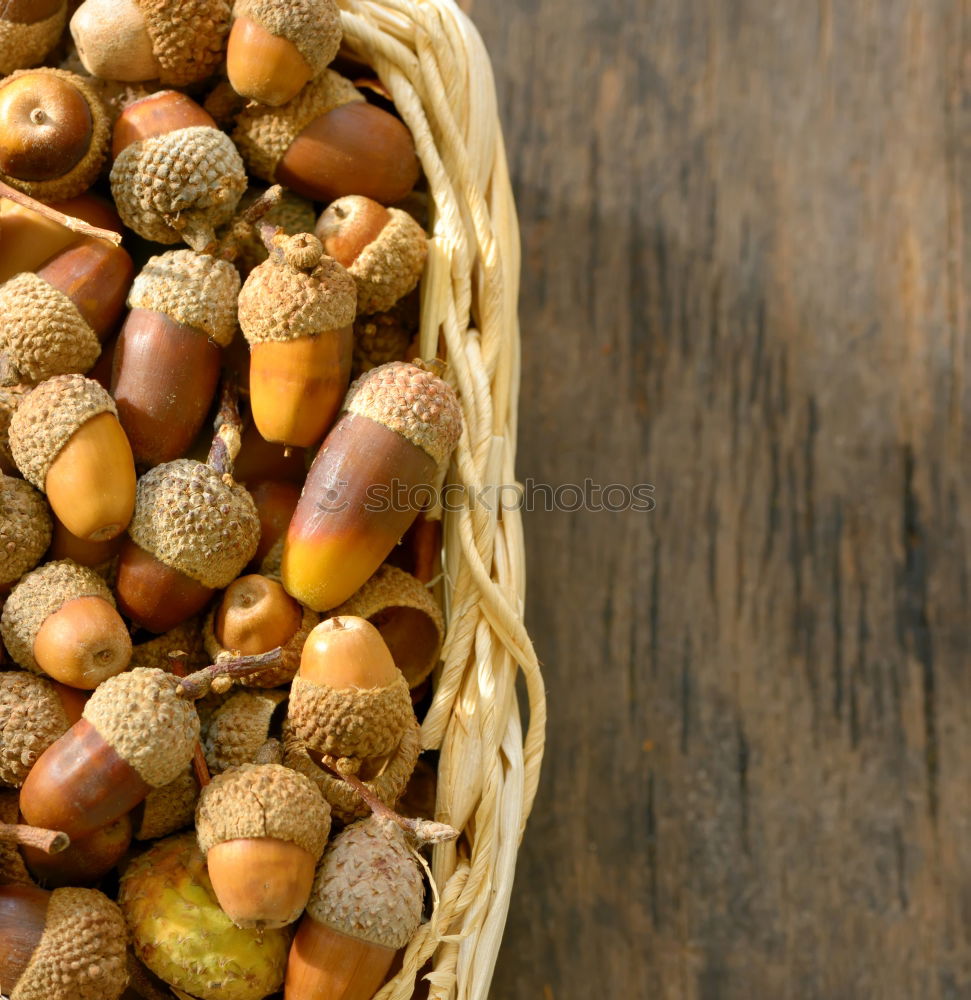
[
  {"x": 384, "y": 249},
  {"x": 135, "y": 40},
  {"x": 54, "y": 134},
  {"x": 32, "y": 717},
  {"x": 262, "y": 459},
  {"x": 277, "y": 46},
  {"x": 328, "y": 142},
  {"x": 61, "y": 945},
  {"x": 167, "y": 358},
  {"x": 29, "y": 29},
  {"x": 296, "y": 311},
  {"x": 25, "y": 529},
  {"x": 85, "y": 861},
  {"x": 61, "y": 620},
  {"x": 136, "y": 734},
  {"x": 168, "y": 809},
  {"x": 275, "y": 501},
  {"x": 365, "y": 905},
  {"x": 399, "y": 426},
  {"x": 263, "y": 829},
  {"x": 83, "y": 551},
  {"x": 182, "y": 183},
  {"x": 66, "y": 440},
  {"x": 239, "y": 727}
]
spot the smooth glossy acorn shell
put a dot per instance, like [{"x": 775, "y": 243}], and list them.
[
  {"x": 157, "y": 114},
  {"x": 164, "y": 378},
  {"x": 354, "y": 149},
  {"x": 83, "y": 551},
  {"x": 262, "y": 459},
  {"x": 347, "y": 652},
  {"x": 263, "y": 66},
  {"x": 275, "y": 500},
  {"x": 256, "y": 615},
  {"x": 23, "y": 916},
  {"x": 85, "y": 861}
]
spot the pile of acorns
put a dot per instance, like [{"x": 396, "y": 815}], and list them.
[{"x": 209, "y": 748}]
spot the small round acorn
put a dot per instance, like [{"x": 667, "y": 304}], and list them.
[
  {"x": 66, "y": 440},
  {"x": 239, "y": 727},
  {"x": 61, "y": 945},
  {"x": 25, "y": 529},
  {"x": 32, "y": 717},
  {"x": 365, "y": 905},
  {"x": 384, "y": 249},
  {"x": 29, "y": 29},
  {"x": 263, "y": 829},
  {"x": 54, "y": 133},
  {"x": 61, "y": 620}
]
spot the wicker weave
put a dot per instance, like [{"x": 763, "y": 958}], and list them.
[{"x": 433, "y": 62}]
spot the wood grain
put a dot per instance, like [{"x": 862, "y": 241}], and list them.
[{"x": 745, "y": 282}]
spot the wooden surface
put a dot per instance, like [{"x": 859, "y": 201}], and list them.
[{"x": 746, "y": 282}]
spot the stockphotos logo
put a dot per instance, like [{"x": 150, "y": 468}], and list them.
[{"x": 530, "y": 496}]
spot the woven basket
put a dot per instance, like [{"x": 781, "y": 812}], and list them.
[{"x": 432, "y": 61}]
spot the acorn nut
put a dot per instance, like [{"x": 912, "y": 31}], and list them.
[
  {"x": 85, "y": 861},
  {"x": 29, "y": 29}
]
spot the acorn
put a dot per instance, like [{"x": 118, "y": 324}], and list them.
[
  {"x": 32, "y": 717},
  {"x": 262, "y": 459},
  {"x": 175, "y": 176},
  {"x": 134, "y": 40},
  {"x": 408, "y": 617},
  {"x": 366, "y": 904},
  {"x": 277, "y": 46},
  {"x": 54, "y": 134},
  {"x": 296, "y": 311},
  {"x": 263, "y": 829},
  {"x": 239, "y": 727},
  {"x": 10, "y": 398},
  {"x": 378, "y": 339},
  {"x": 85, "y": 861},
  {"x": 97, "y": 555},
  {"x": 291, "y": 213},
  {"x": 29, "y": 29},
  {"x": 255, "y": 615},
  {"x": 328, "y": 142},
  {"x": 168, "y": 809},
  {"x": 25, "y": 529},
  {"x": 62, "y": 945},
  {"x": 167, "y": 358},
  {"x": 399, "y": 425},
  {"x": 384, "y": 249},
  {"x": 61, "y": 620},
  {"x": 275, "y": 501},
  {"x": 179, "y": 931},
  {"x": 136, "y": 734},
  {"x": 66, "y": 440}
]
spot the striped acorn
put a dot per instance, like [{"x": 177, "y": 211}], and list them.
[
  {"x": 399, "y": 426},
  {"x": 29, "y": 29},
  {"x": 25, "y": 529}
]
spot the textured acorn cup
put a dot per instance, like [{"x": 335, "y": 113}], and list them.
[
  {"x": 192, "y": 533},
  {"x": 167, "y": 358},
  {"x": 167, "y": 890},
  {"x": 61, "y": 619},
  {"x": 168, "y": 809},
  {"x": 13, "y": 871},
  {"x": 66, "y": 440},
  {"x": 25, "y": 528},
  {"x": 296, "y": 310},
  {"x": 29, "y": 29},
  {"x": 365, "y": 905},
  {"x": 384, "y": 249},
  {"x": 157, "y": 114},
  {"x": 32, "y": 717},
  {"x": 263, "y": 829},
  {"x": 85, "y": 861},
  {"x": 136, "y": 734},
  {"x": 61, "y": 945},
  {"x": 136, "y": 40},
  {"x": 349, "y": 699},
  {"x": 239, "y": 727},
  {"x": 399, "y": 426},
  {"x": 55, "y": 133}
]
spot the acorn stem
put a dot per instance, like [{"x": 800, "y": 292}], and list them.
[
  {"x": 197, "y": 685},
  {"x": 48, "y": 841},
  {"x": 229, "y": 431},
  {"x": 243, "y": 224},
  {"x": 68, "y": 221}
]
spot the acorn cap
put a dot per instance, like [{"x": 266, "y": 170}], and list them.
[
  {"x": 192, "y": 289},
  {"x": 140, "y": 715},
  {"x": 85, "y": 172},
  {"x": 292, "y": 213},
  {"x": 239, "y": 727},
  {"x": 42, "y": 332},
  {"x": 412, "y": 401},
  {"x": 23, "y": 45},
  {"x": 170, "y": 808},
  {"x": 350, "y": 722},
  {"x": 188, "y": 38},
  {"x": 181, "y": 185},
  {"x": 46, "y": 419},
  {"x": 378, "y": 339},
  {"x": 388, "y": 784},
  {"x": 313, "y": 26},
  {"x": 391, "y": 587},
  {"x": 13, "y": 871},
  {"x": 31, "y": 719},
  {"x": 300, "y": 293},
  {"x": 37, "y": 596},
  {"x": 263, "y": 800},
  {"x": 368, "y": 885},
  {"x": 263, "y": 134},
  {"x": 25, "y": 528},
  {"x": 82, "y": 953},
  {"x": 186, "y": 638},
  {"x": 192, "y": 520},
  {"x": 10, "y": 398},
  {"x": 289, "y": 659}
]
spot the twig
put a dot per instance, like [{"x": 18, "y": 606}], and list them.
[
  {"x": 48, "y": 841},
  {"x": 229, "y": 430},
  {"x": 246, "y": 221},
  {"x": 199, "y": 764},
  {"x": 68, "y": 221},
  {"x": 197, "y": 685}
]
